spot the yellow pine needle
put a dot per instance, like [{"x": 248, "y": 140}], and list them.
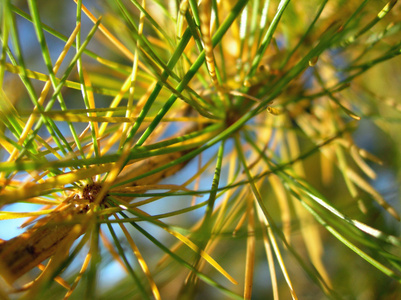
[
  {"x": 275, "y": 141},
  {"x": 220, "y": 222},
  {"x": 79, "y": 276},
  {"x": 295, "y": 152},
  {"x": 138, "y": 169},
  {"x": 108, "y": 34},
  {"x": 250, "y": 250},
  {"x": 116, "y": 101},
  {"x": 9, "y": 182},
  {"x": 43, "y": 201},
  {"x": 111, "y": 141},
  {"x": 149, "y": 200},
  {"x": 35, "y": 189},
  {"x": 138, "y": 107},
  {"x": 269, "y": 255},
  {"x": 342, "y": 163},
  {"x": 134, "y": 73},
  {"x": 35, "y": 217},
  {"x": 38, "y": 176},
  {"x": 57, "y": 279},
  {"x": 237, "y": 93},
  {"x": 362, "y": 152},
  {"x": 67, "y": 83},
  {"x": 276, "y": 250},
  {"x": 202, "y": 253},
  {"x": 112, "y": 65},
  {"x": 281, "y": 262},
  {"x": 157, "y": 42},
  {"x": 6, "y": 145},
  {"x": 83, "y": 135},
  {"x": 112, "y": 251},
  {"x": 46, "y": 145},
  {"x": 141, "y": 261},
  {"x": 118, "y": 166},
  {"x": 112, "y": 39},
  {"x": 194, "y": 247},
  {"x": 7, "y": 215},
  {"x": 113, "y": 173},
  {"x": 370, "y": 156},
  {"x": 31, "y": 74},
  {"x": 40, "y": 76},
  {"x": 239, "y": 224},
  {"x": 267, "y": 133},
  {"x": 45, "y": 90},
  {"x": 181, "y": 17},
  {"x": 312, "y": 238},
  {"x": 73, "y": 117},
  {"x": 282, "y": 200},
  {"x": 354, "y": 150},
  {"x": 222, "y": 226},
  {"x": 259, "y": 203},
  {"x": 91, "y": 102},
  {"x": 359, "y": 181},
  {"x": 326, "y": 163}
]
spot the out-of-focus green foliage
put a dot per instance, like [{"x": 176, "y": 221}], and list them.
[{"x": 221, "y": 149}]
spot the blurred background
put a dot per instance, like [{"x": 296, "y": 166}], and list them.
[{"x": 377, "y": 132}]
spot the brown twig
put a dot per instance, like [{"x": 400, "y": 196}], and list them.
[{"x": 26, "y": 251}]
